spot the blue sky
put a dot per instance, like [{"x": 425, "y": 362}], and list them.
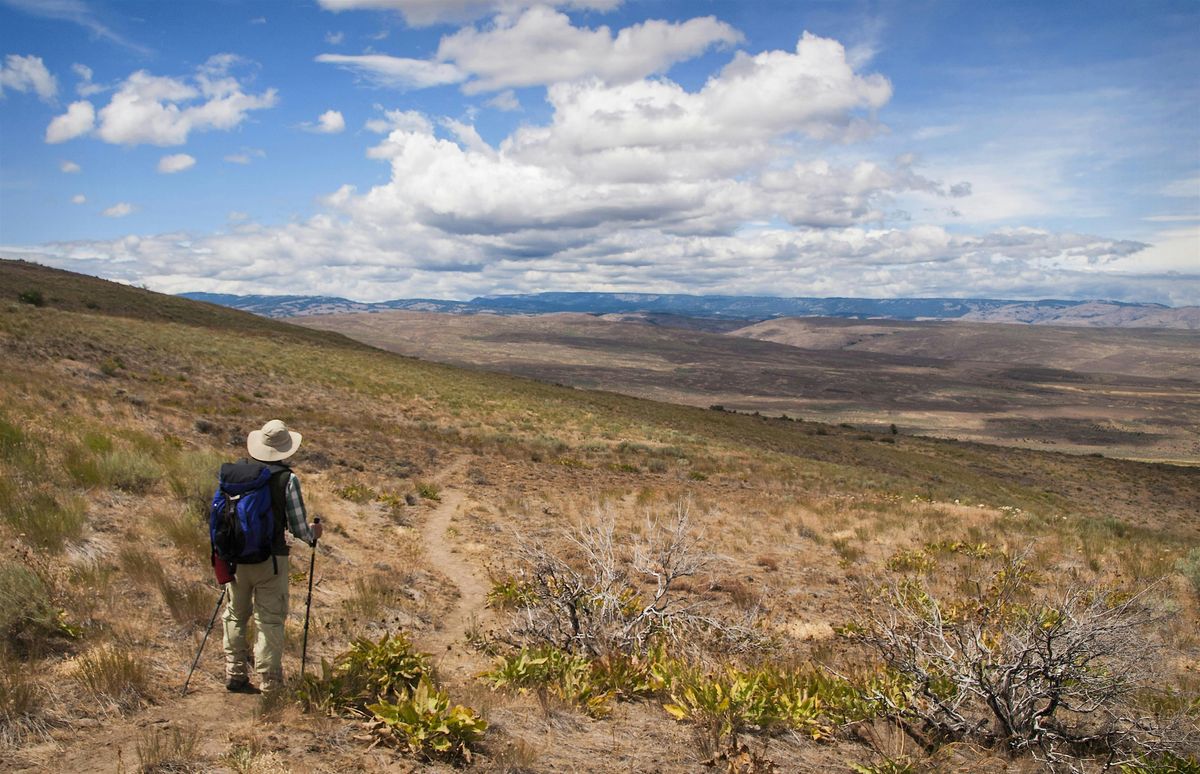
[{"x": 398, "y": 148}]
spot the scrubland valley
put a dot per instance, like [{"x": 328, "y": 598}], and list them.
[
  {"x": 522, "y": 576},
  {"x": 1132, "y": 393}
]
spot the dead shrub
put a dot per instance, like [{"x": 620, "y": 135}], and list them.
[
  {"x": 1053, "y": 674},
  {"x": 589, "y": 599}
]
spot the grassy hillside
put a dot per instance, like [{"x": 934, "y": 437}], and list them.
[{"x": 113, "y": 418}]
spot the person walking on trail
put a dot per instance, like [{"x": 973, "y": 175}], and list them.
[{"x": 259, "y": 581}]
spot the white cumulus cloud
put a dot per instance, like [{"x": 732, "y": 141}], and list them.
[
  {"x": 422, "y": 13},
  {"x": 118, "y": 210},
  {"x": 78, "y": 120},
  {"x": 78, "y": 199},
  {"x": 330, "y": 122},
  {"x": 70, "y": 168},
  {"x": 85, "y": 87},
  {"x": 27, "y": 73},
  {"x": 541, "y": 46},
  {"x": 177, "y": 162},
  {"x": 157, "y": 110},
  {"x": 648, "y": 185}
]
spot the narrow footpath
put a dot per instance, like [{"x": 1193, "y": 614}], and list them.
[{"x": 443, "y": 552}]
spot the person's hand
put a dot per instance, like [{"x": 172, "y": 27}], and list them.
[{"x": 317, "y": 529}]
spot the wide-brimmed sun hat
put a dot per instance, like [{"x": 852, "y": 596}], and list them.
[{"x": 273, "y": 443}]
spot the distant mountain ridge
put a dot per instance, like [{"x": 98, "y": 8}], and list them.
[{"x": 749, "y": 308}]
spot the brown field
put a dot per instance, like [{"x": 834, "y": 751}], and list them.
[
  {"x": 117, "y": 404},
  {"x": 1118, "y": 392}
]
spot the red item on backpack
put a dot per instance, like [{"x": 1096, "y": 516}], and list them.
[{"x": 223, "y": 570}]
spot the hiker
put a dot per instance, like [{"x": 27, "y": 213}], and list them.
[{"x": 260, "y": 576}]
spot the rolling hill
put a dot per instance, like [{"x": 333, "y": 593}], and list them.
[
  {"x": 440, "y": 486},
  {"x": 718, "y": 309},
  {"x": 1129, "y": 393}
]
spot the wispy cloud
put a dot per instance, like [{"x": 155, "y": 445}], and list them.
[
  {"x": 1172, "y": 218},
  {"x": 245, "y": 155},
  {"x": 77, "y": 12},
  {"x": 119, "y": 210},
  {"x": 1188, "y": 187},
  {"x": 506, "y": 101},
  {"x": 178, "y": 162},
  {"x": 396, "y": 72},
  {"x": 423, "y": 13},
  {"x": 934, "y": 132}
]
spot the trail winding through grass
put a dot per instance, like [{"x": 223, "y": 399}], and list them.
[{"x": 443, "y": 552}]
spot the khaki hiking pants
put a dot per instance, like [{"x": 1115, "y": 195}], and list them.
[{"x": 260, "y": 588}]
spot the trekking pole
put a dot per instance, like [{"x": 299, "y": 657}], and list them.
[
  {"x": 207, "y": 631},
  {"x": 312, "y": 562}
]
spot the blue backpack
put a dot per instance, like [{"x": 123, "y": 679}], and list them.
[{"x": 243, "y": 523}]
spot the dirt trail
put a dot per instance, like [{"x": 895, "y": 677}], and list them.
[
  {"x": 442, "y": 549},
  {"x": 216, "y": 714}
]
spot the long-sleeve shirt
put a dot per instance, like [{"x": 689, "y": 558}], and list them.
[{"x": 297, "y": 517}]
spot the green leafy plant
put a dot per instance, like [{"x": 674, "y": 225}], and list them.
[
  {"x": 568, "y": 676},
  {"x": 724, "y": 703},
  {"x": 394, "y": 684},
  {"x": 509, "y": 593},
  {"x": 356, "y": 493},
  {"x": 424, "y": 722},
  {"x": 367, "y": 672},
  {"x": 429, "y": 491}
]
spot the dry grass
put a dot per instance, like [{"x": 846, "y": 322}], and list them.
[
  {"x": 189, "y": 535},
  {"x": 799, "y": 513},
  {"x": 142, "y": 566},
  {"x": 115, "y": 677},
  {"x": 21, "y": 701},
  {"x": 169, "y": 751},
  {"x": 190, "y": 603}
]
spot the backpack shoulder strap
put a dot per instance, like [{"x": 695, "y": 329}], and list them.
[{"x": 280, "y": 475}]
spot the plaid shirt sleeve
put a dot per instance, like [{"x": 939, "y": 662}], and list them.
[{"x": 297, "y": 517}]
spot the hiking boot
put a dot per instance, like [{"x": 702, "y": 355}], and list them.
[{"x": 239, "y": 685}]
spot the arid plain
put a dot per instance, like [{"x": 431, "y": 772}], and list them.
[{"x": 1130, "y": 393}]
